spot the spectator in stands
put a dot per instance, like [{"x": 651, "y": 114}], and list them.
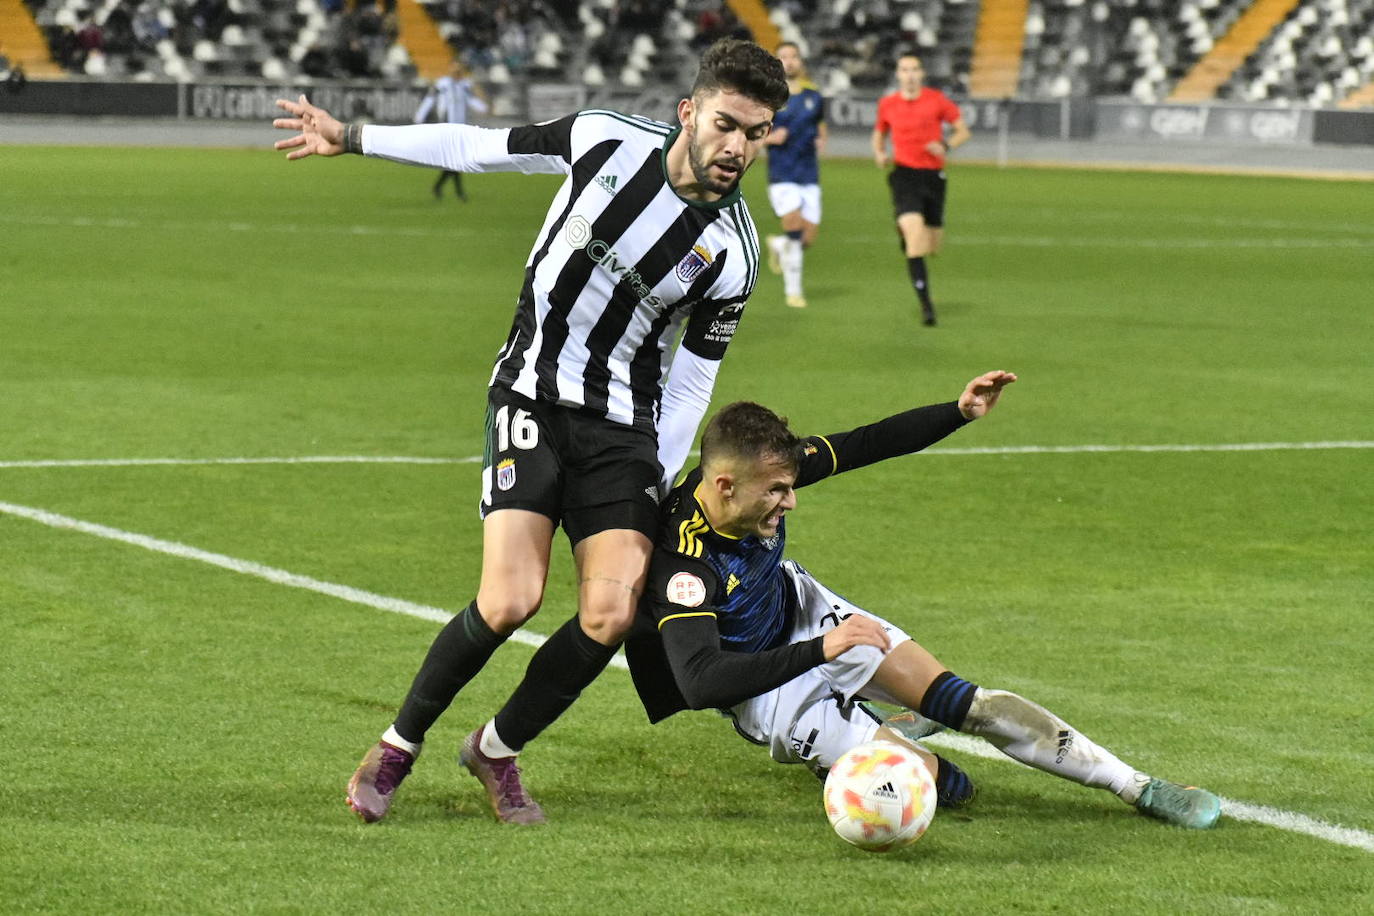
[
  {"x": 353, "y": 60},
  {"x": 450, "y": 99},
  {"x": 148, "y": 28},
  {"x": 316, "y": 63},
  {"x": 714, "y": 23},
  {"x": 915, "y": 115},
  {"x": 640, "y": 16},
  {"x": 11, "y": 74},
  {"x": 90, "y": 37},
  {"x": 66, "y": 49},
  {"x": 119, "y": 30}
]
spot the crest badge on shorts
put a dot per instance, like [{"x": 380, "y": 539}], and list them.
[
  {"x": 505, "y": 474},
  {"x": 690, "y": 267}
]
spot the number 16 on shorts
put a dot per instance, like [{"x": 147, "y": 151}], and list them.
[{"x": 511, "y": 430}]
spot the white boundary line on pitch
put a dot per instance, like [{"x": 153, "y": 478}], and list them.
[
  {"x": 1020, "y": 241},
  {"x": 1242, "y": 811},
  {"x": 476, "y": 459}
]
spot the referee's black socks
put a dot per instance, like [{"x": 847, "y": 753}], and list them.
[{"x": 920, "y": 281}]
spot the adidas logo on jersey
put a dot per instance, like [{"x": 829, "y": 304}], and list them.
[
  {"x": 607, "y": 183},
  {"x": 885, "y": 791}
]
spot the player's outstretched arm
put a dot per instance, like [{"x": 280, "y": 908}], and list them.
[
  {"x": 981, "y": 394},
  {"x": 321, "y": 134}
]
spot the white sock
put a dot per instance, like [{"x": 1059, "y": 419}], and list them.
[
  {"x": 393, "y": 738},
  {"x": 792, "y": 266},
  {"x": 491, "y": 743},
  {"x": 1038, "y": 738}
]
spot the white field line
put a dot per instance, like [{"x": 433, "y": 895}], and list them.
[
  {"x": 476, "y": 459},
  {"x": 249, "y": 568},
  {"x": 301, "y": 459},
  {"x": 1020, "y": 241},
  {"x": 1243, "y": 811}
]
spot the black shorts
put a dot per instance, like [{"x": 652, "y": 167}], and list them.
[
  {"x": 584, "y": 472},
  {"x": 919, "y": 191}
]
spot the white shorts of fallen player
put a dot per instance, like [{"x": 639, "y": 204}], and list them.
[
  {"x": 787, "y": 197},
  {"x": 813, "y": 718}
]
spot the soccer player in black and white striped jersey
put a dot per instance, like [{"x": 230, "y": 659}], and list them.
[
  {"x": 647, "y": 236},
  {"x": 450, "y": 98}
]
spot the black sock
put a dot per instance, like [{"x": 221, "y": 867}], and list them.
[
  {"x": 947, "y": 700},
  {"x": 568, "y": 662},
  {"x": 916, "y": 268},
  {"x": 952, "y": 785},
  {"x": 458, "y": 183},
  {"x": 456, "y": 655}
]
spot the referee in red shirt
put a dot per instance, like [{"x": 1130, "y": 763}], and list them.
[{"x": 915, "y": 115}]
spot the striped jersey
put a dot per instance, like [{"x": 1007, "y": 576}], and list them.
[
  {"x": 621, "y": 265},
  {"x": 450, "y": 100}
]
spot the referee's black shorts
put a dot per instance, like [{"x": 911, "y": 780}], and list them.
[
  {"x": 583, "y": 471},
  {"x": 919, "y": 191}
]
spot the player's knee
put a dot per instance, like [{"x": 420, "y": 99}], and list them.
[
  {"x": 607, "y": 624},
  {"x": 507, "y": 609}
]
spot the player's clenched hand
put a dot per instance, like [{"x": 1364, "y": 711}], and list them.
[
  {"x": 321, "y": 134},
  {"x": 856, "y": 630},
  {"x": 981, "y": 394}
]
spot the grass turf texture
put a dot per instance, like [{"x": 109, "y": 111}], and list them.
[{"x": 180, "y": 735}]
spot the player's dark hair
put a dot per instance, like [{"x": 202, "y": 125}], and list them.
[
  {"x": 748, "y": 431},
  {"x": 735, "y": 65}
]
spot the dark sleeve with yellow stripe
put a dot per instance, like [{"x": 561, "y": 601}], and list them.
[
  {"x": 710, "y": 677},
  {"x": 680, "y": 598},
  {"x": 902, "y": 434}
]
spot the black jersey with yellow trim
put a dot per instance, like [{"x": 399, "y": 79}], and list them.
[{"x": 737, "y": 584}]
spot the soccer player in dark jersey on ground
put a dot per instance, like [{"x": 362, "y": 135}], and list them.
[
  {"x": 794, "y": 179},
  {"x": 915, "y": 115},
  {"x": 648, "y": 234},
  {"x": 727, "y": 623}
]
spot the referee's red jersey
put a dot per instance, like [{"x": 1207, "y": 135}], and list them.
[{"x": 915, "y": 122}]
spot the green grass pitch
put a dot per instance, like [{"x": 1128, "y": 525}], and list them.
[{"x": 178, "y": 736}]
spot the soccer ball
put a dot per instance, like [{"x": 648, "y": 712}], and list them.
[{"x": 880, "y": 796}]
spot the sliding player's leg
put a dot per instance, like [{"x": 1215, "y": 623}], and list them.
[{"x": 1031, "y": 734}]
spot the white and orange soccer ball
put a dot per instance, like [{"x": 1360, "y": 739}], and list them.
[{"x": 880, "y": 796}]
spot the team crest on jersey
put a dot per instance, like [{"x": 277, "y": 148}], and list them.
[
  {"x": 505, "y": 474},
  {"x": 690, "y": 267},
  {"x": 687, "y": 590}
]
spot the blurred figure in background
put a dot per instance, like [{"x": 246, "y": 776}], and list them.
[
  {"x": 794, "y": 179},
  {"x": 449, "y": 99}
]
